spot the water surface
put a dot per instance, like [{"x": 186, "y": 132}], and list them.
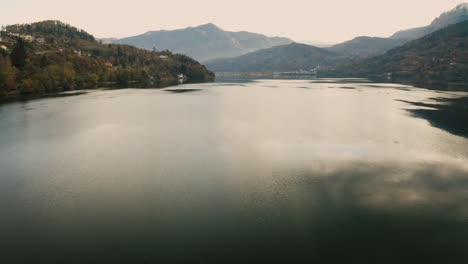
[{"x": 324, "y": 171}]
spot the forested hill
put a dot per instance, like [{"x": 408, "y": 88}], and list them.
[
  {"x": 439, "y": 57},
  {"x": 373, "y": 46},
  {"x": 366, "y": 46},
  {"x": 51, "y": 56},
  {"x": 286, "y": 58}
]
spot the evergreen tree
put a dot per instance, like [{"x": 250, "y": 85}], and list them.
[
  {"x": 18, "y": 54},
  {"x": 3, "y": 79}
]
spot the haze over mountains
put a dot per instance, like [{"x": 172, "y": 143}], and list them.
[
  {"x": 204, "y": 42},
  {"x": 290, "y": 58},
  {"x": 366, "y": 46},
  {"x": 456, "y": 15},
  {"x": 441, "y": 56},
  {"x": 436, "y": 50},
  {"x": 369, "y": 46},
  {"x": 208, "y": 42},
  {"x": 286, "y": 58}
]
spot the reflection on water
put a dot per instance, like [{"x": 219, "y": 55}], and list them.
[
  {"x": 234, "y": 173},
  {"x": 450, "y": 114},
  {"x": 182, "y": 90}
]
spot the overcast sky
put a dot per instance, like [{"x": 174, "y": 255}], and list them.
[{"x": 324, "y": 21}]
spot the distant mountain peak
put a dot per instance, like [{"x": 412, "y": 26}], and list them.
[
  {"x": 204, "y": 42},
  {"x": 209, "y": 26},
  {"x": 454, "y": 16},
  {"x": 462, "y": 6},
  {"x": 416, "y": 58}
]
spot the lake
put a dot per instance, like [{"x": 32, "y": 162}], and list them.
[{"x": 249, "y": 171}]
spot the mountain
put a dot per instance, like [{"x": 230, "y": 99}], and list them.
[
  {"x": 52, "y": 56},
  {"x": 440, "y": 57},
  {"x": 454, "y": 16},
  {"x": 286, "y": 58},
  {"x": 366, "y": 46},
  {"x": 372, "y": 46},
  {"x": 318, "y": 44},
  {"x": 204, "y": 42}
]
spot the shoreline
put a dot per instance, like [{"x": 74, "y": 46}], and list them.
[{"x": 12, "y": 98}]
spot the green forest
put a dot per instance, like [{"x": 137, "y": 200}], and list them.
[{"x": 52, "y": 56}]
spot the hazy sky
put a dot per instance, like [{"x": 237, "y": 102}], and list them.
[{"x": 325, "y": 21}]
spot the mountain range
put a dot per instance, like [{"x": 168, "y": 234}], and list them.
[
  {"x": 371, "y": 46},
  {"x": 454, "y": 16},
  {"x": 204, "y": 42},
  {"x": 440, "y": 57},
  {"x": 366, "y": 46},
  {"x": 303, "y": 57},
  {"x": 218, "y": 48},
  {"x": 437, "y": 51},
  {"x": 285, "y": 58}
]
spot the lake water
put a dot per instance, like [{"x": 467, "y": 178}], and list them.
[{"x": 333, "y": 171}]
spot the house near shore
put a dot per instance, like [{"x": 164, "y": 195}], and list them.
[
  {"x": 27, "y": 38},
  {"x": 6, "y": 40},
  {"x": 24, "y": 37}
]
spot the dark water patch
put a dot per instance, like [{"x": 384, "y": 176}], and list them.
[
  {"x": 347, "y": 87},
  {"x": 29, "y": 97},
  {"x": 235, "y": 79},
  {"x": 387, "y": 86},
  {"x": 182, "y": 90},
  {"x": 449, "y": 114},
  {"x": 145, "y": 85},
  {"x": 109, "y": 86},
  {"x": 230, "y": 84},
  {"x": 424, "y": 81},
  {"x": 342, "y": 87},
  {"x": 112, "y": 88},
  {"x": 66, "y": 94}
]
